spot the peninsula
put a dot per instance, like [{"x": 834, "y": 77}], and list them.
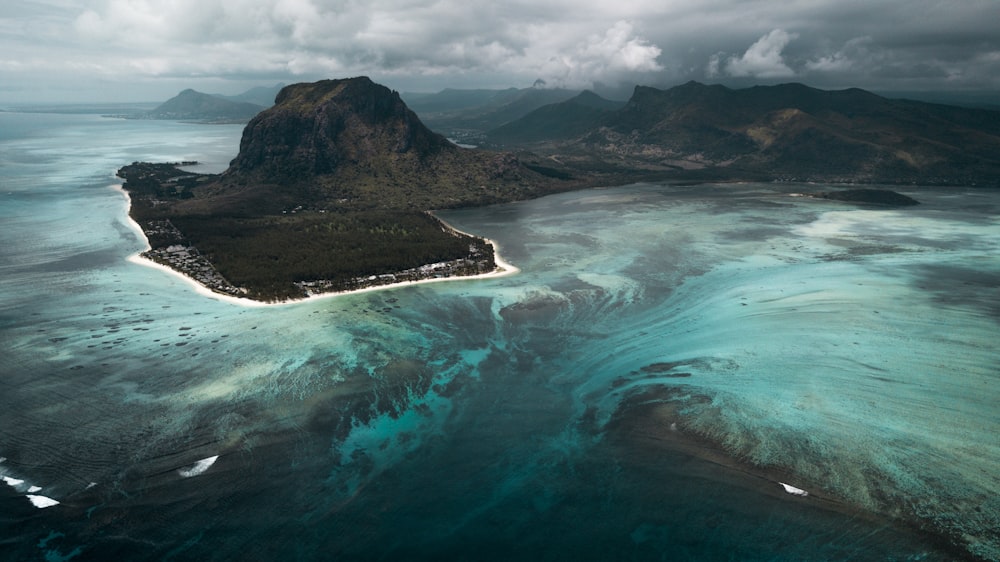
[{"x": 330, "y": 192}]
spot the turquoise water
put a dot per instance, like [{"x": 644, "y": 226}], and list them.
[{"x": 666, "y": 356}]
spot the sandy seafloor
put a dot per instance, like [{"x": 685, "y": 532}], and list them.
[{"x": 665, "y": 357}]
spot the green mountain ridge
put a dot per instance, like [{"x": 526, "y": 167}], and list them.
[
  {"x": 456, "y": 112},
  {"x": 565, "y": 119},
  {"x": 789, "y": 131}
]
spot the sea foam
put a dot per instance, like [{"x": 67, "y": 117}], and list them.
[
  {"x": 12, "y": 482},
  {"x": 199, "y": 467},
  {"x": 41, "y": 502},
  {"x": 793, "y": 490}
]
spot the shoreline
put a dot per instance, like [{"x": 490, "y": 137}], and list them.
[{"x": 503, "y": 268}]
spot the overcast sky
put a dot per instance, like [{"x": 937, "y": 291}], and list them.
[{"x": 148, "y": 50}]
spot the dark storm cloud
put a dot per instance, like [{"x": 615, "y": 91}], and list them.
[{"x": 130, "y": 46}]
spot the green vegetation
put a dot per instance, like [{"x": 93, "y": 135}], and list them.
[
  {"x": 564, "y": 120},
  {"x": 788, "y": 132},
  {"x": 272, "y": 256},
  {"x": 269, "y": 254}
]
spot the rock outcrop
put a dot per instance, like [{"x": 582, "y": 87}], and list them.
[
  {"x": 320, "y": 128},
  {"x": 352, "y": 143}
]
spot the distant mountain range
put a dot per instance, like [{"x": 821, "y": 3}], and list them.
[
  {"x": 191, "y": 105},
  {"x": 564, "y": 120},
  {"x": 261, "y": 95},
  {"x": 465, "y": 114},
  {"x": 789, "y": 131}
]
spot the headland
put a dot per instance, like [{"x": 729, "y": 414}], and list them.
[{"x": 190, "y": 265}]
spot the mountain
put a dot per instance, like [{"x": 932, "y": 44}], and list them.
[
  {"x": 323, "y": 128},
  {"x": 562, "y": 120},
  {"x": 452, "y": 99},
  {"x": 261, "y": 95},
  {"x": 461, "y": 113},
  {"x": 515, "y": 107},
  {"x": 191, "y": 105},
  {"x": 789, "y": 131},
  {"x": 355, "y": 143},
  {"x": 591, "y": 100}
]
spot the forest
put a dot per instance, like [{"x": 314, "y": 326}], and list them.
[{"x": 271, "y": 256}]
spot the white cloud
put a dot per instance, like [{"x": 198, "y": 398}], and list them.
[
  {"x": 837, "y": 62},
  {"x": 848, "y": 58},
  {"x": 111, "y": 45},
  {"x": 622, "y": 50},
  {"x": 763, "y": 59},
  {"x": 616, "y": 52},
  {"x": 352, "y": 36},
  {"x": 714, "y": 67}
]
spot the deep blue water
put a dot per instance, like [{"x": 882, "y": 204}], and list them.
[{"x": 666, "y": 356}]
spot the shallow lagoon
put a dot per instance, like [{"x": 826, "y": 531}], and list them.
[{"x": 665, "y": 358}]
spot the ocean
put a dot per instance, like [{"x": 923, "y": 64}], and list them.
[{"x": 671, "y": 370}]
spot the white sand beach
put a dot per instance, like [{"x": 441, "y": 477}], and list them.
[{"x": 503, "y": 268}]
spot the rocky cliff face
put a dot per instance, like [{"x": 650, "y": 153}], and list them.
[
  {"x": 354, "y": 144},
  {"x": 324, "y": 127}
]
